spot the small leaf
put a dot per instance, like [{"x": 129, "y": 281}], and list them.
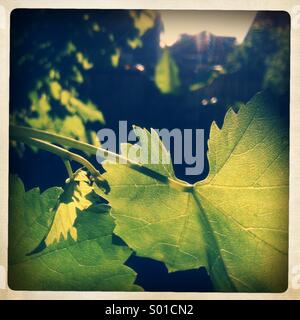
[
  {"x": 167, "y": 74},
  {"x": 115, "y": 57},
  {"x": 73, "y": 200},
  {"x": 55, "y": 89},
  {"x": 135, "y": 43},
  {"x": 143, "y": 20}
]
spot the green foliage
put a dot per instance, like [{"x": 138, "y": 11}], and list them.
[
  {"x": 74, "y": 199},
  {"x": 77, "y": 114},
  {"x": 264, "y": 55},
  {"x": 143, "y": 21},
  {"x": 234, "y": 222},
  {"x": 89, "y": 262},
  {"x": 277, "y": 64},
  {"x": 58, "y": 63},
  {"x": 167, "y": 74},
  {"x": 59, "y": 109},
  {"x": 210, "y": 77}
]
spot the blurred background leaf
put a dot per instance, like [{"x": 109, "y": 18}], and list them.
[
  {"x": 52, "y": 59},
  {"x": 167, "y": 74}
]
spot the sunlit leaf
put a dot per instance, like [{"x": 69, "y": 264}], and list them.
[
  {"x": 143, "y": 20},
  {"x": 55, "y": 89},
  {"x": 85, "y": 63},
  {"x": 167, "y": 74},
  {"x": 92, "y": 262},
  {"x": 73, "y": 200},
  {"x": 115, "y": 58},
  {"x": 135, "y": 43},
  {"x": 234, "y": 223},
  {"x": 72, "y": 126},
  {"x": 87, "y": 111}
]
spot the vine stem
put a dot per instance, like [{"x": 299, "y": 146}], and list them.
[
  {"x": 20, "y": 131},
  {"x": 64, "y": 154},
  {"x": 37, "y": 136},
  {"x": 69, "y": 168}
]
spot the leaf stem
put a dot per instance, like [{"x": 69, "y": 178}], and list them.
[
  {"x": 64, "y": 154},
  {"x": 69, "y": 168},
  {"x": 21, "y": 133}
]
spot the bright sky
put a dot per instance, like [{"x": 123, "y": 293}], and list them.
[{"x": 220, "y": 23}]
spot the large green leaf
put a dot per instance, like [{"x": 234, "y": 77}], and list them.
[
  {"x": 167, "y": 74},
  {"x": 234, "y": 222},
  {"x": 89, "y": 262}
]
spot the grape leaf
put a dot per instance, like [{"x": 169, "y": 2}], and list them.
[
  {"x": 167, "y": 74},
  {"x": 92, "y": 262},
  {"x": 75, "y": 198},
  {"x": 234, "y": 223}
]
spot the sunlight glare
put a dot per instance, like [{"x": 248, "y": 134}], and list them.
[{"x": 220, "y": 23}]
